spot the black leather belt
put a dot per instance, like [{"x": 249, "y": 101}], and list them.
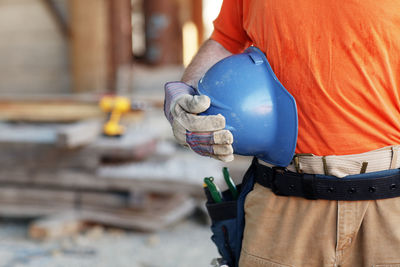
[{"x": 286, "y": 183}]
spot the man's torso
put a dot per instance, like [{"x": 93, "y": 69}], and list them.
[{"x": 341, "y": 62}]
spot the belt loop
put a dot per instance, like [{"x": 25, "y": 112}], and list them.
[
  {"x": 364, "y": 167},
  {"x": 297, "y": 163},
  {"x": 274, "y": 186},
  {"x": 393, "y": 162},
  {"x": 308, "y": 184},
  {"x": 325, "y": 165}
]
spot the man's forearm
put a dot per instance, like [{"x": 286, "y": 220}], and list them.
[{"x": 209, "y": 53}]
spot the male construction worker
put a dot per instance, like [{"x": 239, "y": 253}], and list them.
[{"x": 341, "y": 62}]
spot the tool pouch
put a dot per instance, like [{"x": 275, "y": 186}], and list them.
[
  {"x": 224, "y": 227},
  {"x": 227, "y": 221}
]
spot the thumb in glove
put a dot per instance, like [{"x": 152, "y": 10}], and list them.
[{"x": 203, "y": 134}]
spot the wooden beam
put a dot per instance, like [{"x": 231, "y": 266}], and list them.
[
  {"x": 159, "y": 212},
  {"x": 197, "y": 17},
  {"x": 89, "y": 44},
  {"x": 163, "y": 212},
  {"x": 48, "y": 111},
  {"x": 121, "y": 55},
  {"x": 140, "y": 101},
  {"x": 163, "y": 32}
]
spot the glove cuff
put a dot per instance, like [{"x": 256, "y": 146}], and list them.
[{"x": 173, "y": 90}]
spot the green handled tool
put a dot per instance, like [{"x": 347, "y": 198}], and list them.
[
  {"x": 208, "y": 194},
  {"x": 230, "y": 183},
  {"x": 214, "y": 191}
]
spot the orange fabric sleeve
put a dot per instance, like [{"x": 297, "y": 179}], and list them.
[{"x": 228, "y": 27}]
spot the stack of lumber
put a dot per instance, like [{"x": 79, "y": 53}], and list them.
[{"x": 65, "y": 173}]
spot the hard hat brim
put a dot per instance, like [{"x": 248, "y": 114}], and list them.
[{"x": 283, "y": 148}]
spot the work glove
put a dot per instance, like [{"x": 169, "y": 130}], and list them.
[{"x": 205, "y": 135}]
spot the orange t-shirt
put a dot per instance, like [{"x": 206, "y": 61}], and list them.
[{"x": 339, "y": 59}]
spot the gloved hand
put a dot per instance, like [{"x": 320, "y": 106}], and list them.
[{"x": 204, "y": 134}]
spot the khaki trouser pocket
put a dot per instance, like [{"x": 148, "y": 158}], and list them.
[
  {"x": 388, "y": 265},
  {"x": 248, "y": 260}
]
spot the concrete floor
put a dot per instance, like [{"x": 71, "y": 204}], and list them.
[{"x": 185, "y": 244}]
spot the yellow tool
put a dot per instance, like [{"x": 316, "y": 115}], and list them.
[{"x": 115, "y": 106}]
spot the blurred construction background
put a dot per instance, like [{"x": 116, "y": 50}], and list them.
[{"x": 73, "y": 193}]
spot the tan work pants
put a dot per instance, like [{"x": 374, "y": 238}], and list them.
[{"x": 293, "y": 231}]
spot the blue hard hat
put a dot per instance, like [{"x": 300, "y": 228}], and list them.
[{"x": 259, "y": 112}]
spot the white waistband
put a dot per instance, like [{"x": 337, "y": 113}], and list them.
[{"x": 376, "y": 160}]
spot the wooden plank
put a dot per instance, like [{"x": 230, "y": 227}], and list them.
[
  {"x": 67, "y": 135},
  {"x": 127, "y": 199},
  {"x": 55, "y": 226},
  {"x": 138, "y": 102},
  {"x": 28, "y": 210},
  {"x": 171, "y": 209},
  {"x": 160, "y": 212},
  {"x": 183, "y": 171},
  {"x": 79, "y": 134},
  {"x": 81, "y": 180},
  {"x": 77, "y": 198},
  {"x": 89, "y": 24},
  {"x": 59, "y": 198},
  {"x": 62, "y": 179},
  {"x": 44, "y": 111},
  {"x": 83, "y": 98},
  {"x": 21, "y": 153},
  {"x": 136, "y": 152}
]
